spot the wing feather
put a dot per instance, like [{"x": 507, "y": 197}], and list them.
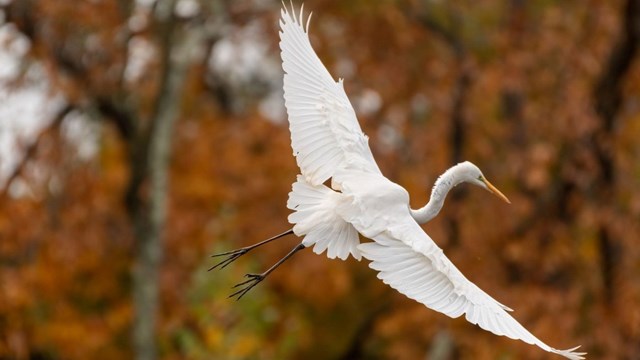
[
  {"x": 325, "y": 134},
  {"x": 410, "y": 262}
]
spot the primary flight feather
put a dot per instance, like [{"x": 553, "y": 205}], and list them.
[{"x": 328, "y": 143}]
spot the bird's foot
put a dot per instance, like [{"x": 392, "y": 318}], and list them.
[
  {"x": 245, "y": 286},
  {"x": 232, "y": 256}
]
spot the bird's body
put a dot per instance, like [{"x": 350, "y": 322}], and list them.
[{"x": 328, "y": 143}]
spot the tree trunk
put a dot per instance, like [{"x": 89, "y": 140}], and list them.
[
  {"x": 150, "y": 209},
  {"x": 608, "y": 100}
]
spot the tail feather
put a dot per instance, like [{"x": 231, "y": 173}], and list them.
[{"x": 316, "y": 219}]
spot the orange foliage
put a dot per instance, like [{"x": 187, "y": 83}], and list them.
[{"x": 66, "y": 251}]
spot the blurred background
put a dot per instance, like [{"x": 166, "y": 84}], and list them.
[{"x": 139, "y": 137}]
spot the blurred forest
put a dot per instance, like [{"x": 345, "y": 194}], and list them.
[{"x": 168, "y": 141}]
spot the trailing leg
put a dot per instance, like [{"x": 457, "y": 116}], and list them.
[
  {"x": 255, "y": 279},
  {"x": 233, "y": 255}
]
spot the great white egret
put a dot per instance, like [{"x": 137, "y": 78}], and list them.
[{"x": 328, "y": 144}]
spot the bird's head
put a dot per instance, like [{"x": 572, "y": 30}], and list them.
[{"x": 469, "y": 172}]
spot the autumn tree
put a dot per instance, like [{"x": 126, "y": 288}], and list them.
[{"x": 180, "y": 105}]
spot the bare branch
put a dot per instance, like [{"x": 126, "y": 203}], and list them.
[
  {"x": 449, "y": 36},
  {"x": 608, "y": 88},
  {"x": 30, "y": 151}
]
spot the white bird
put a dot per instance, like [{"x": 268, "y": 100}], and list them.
[{"x": 328, "y": 143}]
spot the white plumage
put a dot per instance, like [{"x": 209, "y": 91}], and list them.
[
  {"x": 316, "y": 218},
  {"x": 328, "y": 143},
  {"x": 325, "y": 134}
]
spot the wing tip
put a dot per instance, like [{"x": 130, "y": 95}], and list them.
[
  {"x": 570, "y": 353},
  {"x": 308, "y": 22},
  {"x": 297, "y": 19}
]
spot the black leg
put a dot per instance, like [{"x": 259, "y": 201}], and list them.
[
  {"x": 255, "y": 279},
  {"x": 235, "y": 254}
]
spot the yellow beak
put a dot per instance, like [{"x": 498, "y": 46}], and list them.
[{"x": 495, "y": 191}]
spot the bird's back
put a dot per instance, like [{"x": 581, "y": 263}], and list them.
[{"x": 372, "y": 202}]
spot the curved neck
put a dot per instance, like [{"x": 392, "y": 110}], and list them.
[{"x": 443, "y": 185}]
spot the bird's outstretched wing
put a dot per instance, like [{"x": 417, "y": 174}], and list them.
[
  {"x": 410, "y": 262},
  {"x": 325, "y": 134}
]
